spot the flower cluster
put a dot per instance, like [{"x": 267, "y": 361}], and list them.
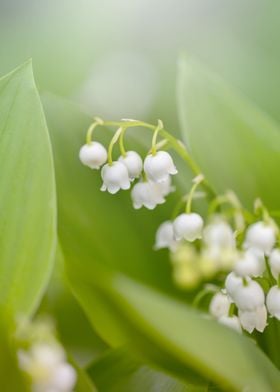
[
  {"x": 250, "y": 258},
  {"x": 43, "y": 360},
  {"x": 154, "y": 173},
  {"x": 238, "y": 249}
]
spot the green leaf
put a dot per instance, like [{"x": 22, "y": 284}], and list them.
[
  {"x": 27, "y": 194},
  {"x": 230, "y": 360},
  {"x": 118, "y": 371},
  {"x": 236, "y": 145}
]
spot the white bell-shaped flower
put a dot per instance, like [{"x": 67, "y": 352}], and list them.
[
  {"x": 47, "y": 368},
  {"x": 166, "y": 186},
  {"x": 93, "y": 155},
  {"x": 255, "y": 319},
  {"x": 251, "y": 263},
  {"x": 63, "y": 378},
  {"x": 133, "y": 163},
  {"x": 159, "y": 166},
  {"x": 261, "y": 236},
  {"x": 188, "y": 227},
  {"x": 146, "y": 194},
  {"x": 231, "y": 322},
  {"x": 249, "y": 296},
  {"x": 273, "y": 302},
  {"x": 232, "y": 284},
  {"x": 219, "y": 305},
  {"x": 115, "y": 177},
  {"x": 219, "y": 234},
  {"x": 274, "y": 263},
  {"x": 165, "y": 237}
]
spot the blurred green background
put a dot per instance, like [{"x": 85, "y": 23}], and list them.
[{"x": 118, "y": 57}]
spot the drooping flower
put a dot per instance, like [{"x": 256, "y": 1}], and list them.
[
  {"x": 232, "y": 283},
  {"x": 219, "y": 305},
  {"x": 249, "y": 297},
  {"x": 188, "y": 227},
  {"x": 273, "y": 301},
  {"x": 47, "y": 368},
  {"x": 165, "y": 237},
  {"x": 115, "y": 177},
  {"x": 254, "y": 319},
  {"x": 159, "y": 166},
  {"x": 133, "y": 163},
  {"x": 274, "y": 262},
  {"x": 93, "y": 155},
  {"x": 251, "y": 263},
  {"x": 231, "y": 322},
  {"x": 261, "y": 236},
  {"x": 219, "y": 234},
  {"x": 147, "y": 194},
  {"x": 165, "y": 186}
]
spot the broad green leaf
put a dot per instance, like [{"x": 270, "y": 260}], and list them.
[
  {"x": 27, "y": 194},
  {"x": 118, "y": 371},
  {"x": 236, "y": 145},
  {"x": 230, "y": 360}
]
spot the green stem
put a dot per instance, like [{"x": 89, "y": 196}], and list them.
[
  {"x": 231, "y": 310},
  {"x": 174, "y": 143},
  {"x": 111, "y": 145},
  {"x": 154, "y": 140},
  {"x": 190, "y": 197},
  {"x": 270, "y": 276},
  {"x": 97, "y": 121},
  {"x": 121, "y": 142}
]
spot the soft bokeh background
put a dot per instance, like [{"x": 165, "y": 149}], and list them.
[{"x": 118, "y": 57}]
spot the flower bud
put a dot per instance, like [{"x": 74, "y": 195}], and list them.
[
  {"x": 146, "y": 194},
  {"x": 159, "y": 166},
  {"x": 255, "y": 319},
  {"x": 251, "y": 263},
  {"x": 274, "y": 262},
  {"x": 115, "y": 177},
  {"x": 219, "y": 305},
  {"x": 231, "y": 322},
  {"x": 93, "y": 155},
  {"x": 273, "y": 302},
  {"x": 249, "y": 297},
  {"x": 188, "y": 227},
  {"x": 133, "y": 163},
  {"x": 219, "y": 234},
  {"x": 165, "y": 237},
  {"x": 261, "y": 236}
]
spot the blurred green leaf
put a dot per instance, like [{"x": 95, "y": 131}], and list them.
[
  {"x": 236, "y": 145},
  {"x": 27, "y": 194},
  {"x": 230, "y": 360},
  {"x": 118, "y": 371}
]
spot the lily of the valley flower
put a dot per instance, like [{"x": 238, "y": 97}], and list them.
[
  {"x": 115, "y": 177},
  {"x": 249, "y": 297},
  {"x": 188, "y": 227},
  {"x": 219, "y": 305},
  {"x": 146, "y": 194},
  {"x": 261, "y": 236},
  {"x": 93, "y": 155},
  {"x": 159, "y": 166},
  {"x": 254, "y": 319},
  {"x": 47, "y": 368},
  {"x": 165, "y": 237},
  {"x": 231, "y": 322},
  {"x": 251, "y": 263},
  {"x": 273, "y": 302},
  {"x": 133, "y": 163},
  {"x": 274, "y": 262},
  {"x": 219, "y": 234}
]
